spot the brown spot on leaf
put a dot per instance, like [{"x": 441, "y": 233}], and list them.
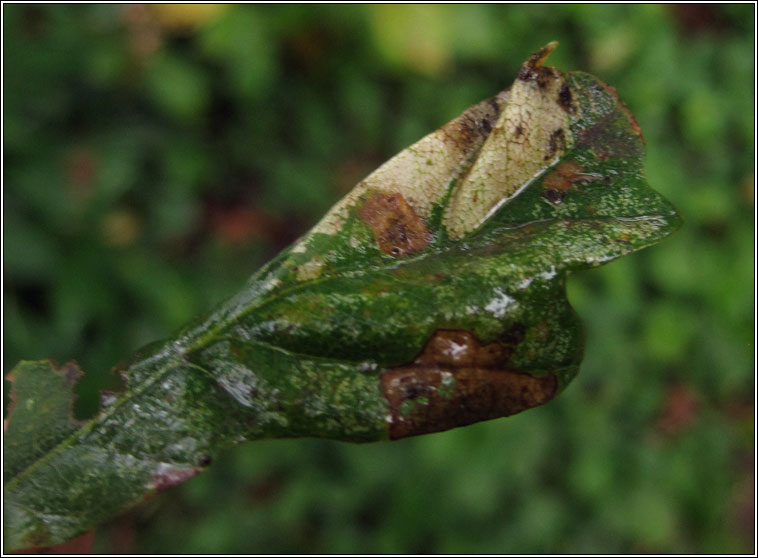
[
  {"x": 457, "y": 380},
  {"x": 398, "y": 229},
  {"x": 452, "y": 347},
  {"x": 571, "y": 170},
  {"x": 565, "y": 175}
]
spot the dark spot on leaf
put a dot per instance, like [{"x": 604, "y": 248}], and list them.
[
  {"x": 553, "y": 196},
  {"x": 412, "y": 391},
  {"x": 513, "y": 336},
  {"x": 457, "y": 380},
  {"x": 565, "y": 100},
  {"x": 556, "y": 142},
  {"x": 205, "y": 461},
  {"x": 398, "y": 229}
]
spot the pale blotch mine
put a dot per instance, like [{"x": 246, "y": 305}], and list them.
[
  {"x": 521, "y": 145},
  {"x": 422, "y": 173}
]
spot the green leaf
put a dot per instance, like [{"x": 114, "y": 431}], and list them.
[{"x": 432, "y": 296}]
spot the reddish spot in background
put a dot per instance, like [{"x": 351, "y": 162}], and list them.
[{"x": 680, "y": 409}]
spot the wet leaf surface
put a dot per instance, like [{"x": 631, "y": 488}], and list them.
[{"x": 431, "y": 296}]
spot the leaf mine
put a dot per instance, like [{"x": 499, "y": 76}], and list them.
[{"x": 456, "y": 381}]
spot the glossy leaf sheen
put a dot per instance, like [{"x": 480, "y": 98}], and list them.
[{"x": 431, "y": 296}]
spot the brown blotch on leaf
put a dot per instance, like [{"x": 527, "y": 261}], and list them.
[
  {"x": 570, "y": 170},
  {"x": 398, "y": 229},
  {"x": 457, "y": 380},
  {"x": 565, "y": 175}
]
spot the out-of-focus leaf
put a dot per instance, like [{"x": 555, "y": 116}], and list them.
[
  {"x": 414, "y": 36},
  {"x": 242, "y": 42},
  {"x": 432, "y": 296},
  {"x": 187, "y": 16},
  {"x": 177, "y": 87}
]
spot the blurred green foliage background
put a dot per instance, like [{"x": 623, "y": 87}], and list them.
[{"x": 156, "y": 156}]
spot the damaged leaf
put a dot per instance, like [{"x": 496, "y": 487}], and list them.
[{"x": 431, "y": 296}]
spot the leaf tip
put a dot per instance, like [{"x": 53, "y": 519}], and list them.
[{"x": 538, "y": 57}]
